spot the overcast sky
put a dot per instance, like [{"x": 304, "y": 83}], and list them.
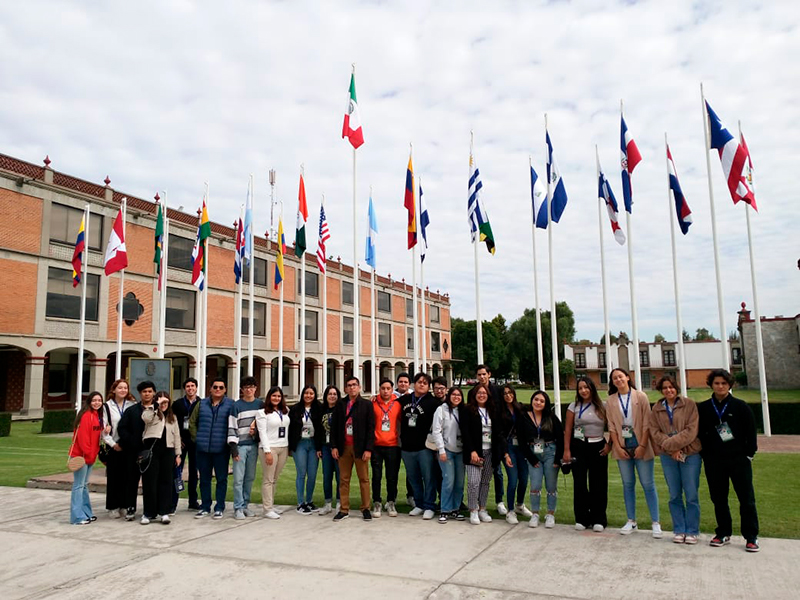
[{"x": 169, "y": 94}]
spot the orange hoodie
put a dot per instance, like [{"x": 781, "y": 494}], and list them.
[{"x": 392, "y": 410}]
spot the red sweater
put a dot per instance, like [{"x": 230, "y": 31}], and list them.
[{"x": 87, "y": 437}]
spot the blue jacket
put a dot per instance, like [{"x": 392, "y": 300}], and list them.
[{"x": 209, "y": 425}]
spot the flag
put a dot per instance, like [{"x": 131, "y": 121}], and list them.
[
  {"x": 77, "y": 255},
  {"x": 478, "y": 219},
  {"x": 607, "y": 196},
  {"x": 302, "y": 217},
  {"x": 424, "y": 221},
  {"x": 410, "y": 206},
  {"x": 372, "y": 237},
  {"x": 247, "y": 248},
  {"x": 558, "y": 193},
  {"x": 748, "y": 171},
  {"x": 539, "y": 200},
  {"x": 630, "y": 158},
  {"x": 733, "y": 158},
  {"x": 238, "y": 258},
  {"x": 324, "y": 236},
  {"x": 159, "y": 243},
  {"x": 682, "y": 209},
  {"x": 352, "y": 120},
  {"x": 279, "y": 255},
  {"x": 116, "y": 254},
  {"x": 199, "y": 250}
]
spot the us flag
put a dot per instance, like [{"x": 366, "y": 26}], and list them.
[{"x": 324, "y": 236}]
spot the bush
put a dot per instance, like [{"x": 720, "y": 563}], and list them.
[
  {"x": 740, "y": 378},
  {"x": 5, "y": 424},
  {"x": 58, "y": 421},
  {"x": 784, "y": 418}
]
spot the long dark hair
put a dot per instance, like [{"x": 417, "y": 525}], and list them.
[
  {"x": 514, "y": 403},
  {"x": 325, "y": 395},
  {"x": 449, "y": 396},
  {"x": 268, "y": 403},
  {"x": 308, "y": 386},
  {"x": 472, "y": 402},
  {"x": 169, "y": 416},
  {"x": 546, "y": 423},
  {"x": 612, "y": 389},
  {"x": 87, "y": 406},
  {"x": 595, "y": 397}
]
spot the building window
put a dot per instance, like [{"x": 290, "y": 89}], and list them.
[
  {"x": 384, "y": 302},
  {"x": 603, "y": 377},
  {"x": 347, "y": 292},
  {"x": 644, "y": 358},
  {"x": 435, "y": 342},
  {"x": 65, "y": 222},
  {"x": 259, "y": 318},
  {"x": 180, "y": 308},
  {"x": 669, "y": 358},
  {"x": 647, "y": 382},
  {"x": 259, "y": 268},
  {"x": 736, "y": 356},
  {"x": 409, "y": 308},
  {"x": 64, "y": 301},
  {"x": 347, "y": 330},
  {"x": 410, "y": 338},
  {"x": 434, "y": 311},
  {"x": 384, "y": 335},
  {"x": 580, "y": 360},
  {"x": 601, "y": 356},
  {"x": 312, "y": 330},
  {"x": 179, "y": 253},
  {"x": 312, "y": 284}
]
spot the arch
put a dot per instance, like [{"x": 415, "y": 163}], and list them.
[
  {"x": 61, "y": 376},
  {"x": 386, "y": 369},
  {"x": 368, "y": 374},
  {"x": 218, "y": 365},
  {"x": 181, "y": 363},
  {"x": 333, "y": 364},
  {"x": 311, "y": 375},
  {"x": 286, "y": 374},
  {"x": 258, "y": 363},
  {"x": 12, "y": 377},
  {"x": 436, "y": 370}
]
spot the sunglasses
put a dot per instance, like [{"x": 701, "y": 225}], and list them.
[{"x": 217, "y": 387}]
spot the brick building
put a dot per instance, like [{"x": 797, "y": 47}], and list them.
[{"x": 40, "y": 212}]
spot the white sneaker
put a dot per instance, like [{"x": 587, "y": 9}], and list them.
[
  {"x": 122, "y": 512},
  {"x": 579, "y": 527},
  {"x": 271, "y": 514},
  {"x": 628, "y": 528},
  {"x": 115, "y": 514},
  {"x": 483, "y": 515},
  {"x": 338, "y": 506},
  {"x": 549, "y": 521},
  {"x": 427, "y": 515},
  {"x": 325, "y": 509},
  {"x": 415, "y": 512},
  {"x": 511, "y": 518},
  {"x": 145, "y": 520},
  {"x": 248, "y": 513},
  {"x": 534, "y": 522},
  {"x": 410, "y": 501},
  {"x": 165, "y": 520},
  {"x": 238, "y": 514},
  {"x": 597, "y": 528},
  {"x": 501, "y": 508},
  {"x": 391, "y": 509},
  {"x": 474, "y": 518},
  {"x": 523, "y": 510},
  {"x": 376, "y": 510},
  {"x": 657, "y": 533}
]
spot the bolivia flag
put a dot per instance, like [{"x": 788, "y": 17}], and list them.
[
  {"x": 352, "y": 120},
  {"x": 302, "y": 217}
]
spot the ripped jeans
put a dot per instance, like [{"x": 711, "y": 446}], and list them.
[{"x": 544, "y": 470}]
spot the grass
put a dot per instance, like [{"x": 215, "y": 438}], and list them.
[
  {"x": 26, "y": 453},
  {"x": 751, "y": 396}
]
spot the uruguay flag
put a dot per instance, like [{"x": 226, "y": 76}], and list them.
[
  {"x": 607, "y": 196},
  {"x": 539, "y": 200},
  {"x": 733, "y": 158},
  {"x": 630, "y": 158},
  {"x": 558, "y": 193},
  {"x": 372, "y": 237},
  {"x": 682, "y": 209}
]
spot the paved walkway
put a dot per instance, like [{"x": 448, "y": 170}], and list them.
[{"x": 45, "y": 557}]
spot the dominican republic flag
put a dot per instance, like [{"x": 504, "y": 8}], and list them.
[
  {"x": 199, "y": 250},
  {"x": 116, "y": 254},
  {"x": 479, "y": 225},
  {"x": 279, "y": 274},
  {"x": 77, "y": 255},
  {"x": 749, "y": 172},
  {"x": 607, "y": 196},
  {"x": 408, "y": 202},
  {"x": 239, "y": 256},
  {"x": 558, "y": 193},
  {"x": 372, "y": 237},
  {"x": 302, "y": 217},
  {"x": 159, "y": 242},
  {"x": 630, "y": 158},
  {"x": 324, "y": 236},
  {"x": 733, "y": 158},
  {"x": 539, "y": 200},
  {"x": 684, "y": 213},
  {"x": 424, "y": 221},
  {"x": 247, "y": 245},
  {"x": 352, "y": 120}
]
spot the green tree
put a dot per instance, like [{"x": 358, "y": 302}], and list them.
[
  {"x": 522, "y": 339},
  {"x": 702, "y": 334},
  {"x": 465, "y": 347},
  {"x": 686, "y": 336},
  {"x": 659, "y": 338},
  {"x": 612, "y": 339}
]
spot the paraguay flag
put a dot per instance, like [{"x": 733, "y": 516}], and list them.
[
  {"x": 733, "y": 158},
  {"x": 558, "y": 193},
  {"x": 630, "y": 158},
  {"x": 410, "y": 206},
  {"x": 607, "y": 196},
  {"x": 77, "y": 255},
  {"x": 684, "y": 213}
]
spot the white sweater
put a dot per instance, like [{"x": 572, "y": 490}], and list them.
[
  {"x": 112, "y": 409},
  {"x": 445, "y": 430},
  {"x": 269, "y": 430}
]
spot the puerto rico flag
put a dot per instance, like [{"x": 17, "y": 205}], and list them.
[
  {"x": 733, "y": 158},
  {"x": 682, "y": 210},
  {"x": 630, "y": 158},
  {"x": 607, "y": 196}
]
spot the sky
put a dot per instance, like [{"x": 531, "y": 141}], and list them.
[{"x": 172, "y": 94}]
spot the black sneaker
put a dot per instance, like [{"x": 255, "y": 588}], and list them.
[
  {"x": 367, "y": 514},
  {"x": 306, "y": 510},
  {"x": 301, "y": 509},
  {"x": 131, "y": 514},
  {"x": 312, "y": 507},
  {"x": 719, "y": 540},
  {"x": 340, "y": 516},
  {"x": 92, "y": 519},
  {"x": 442, "y": 518},
  {"x": 752, "y": 546},
  {"x": 458, "y": 516}
]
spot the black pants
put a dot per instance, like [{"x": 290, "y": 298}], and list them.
[
  {"x": 389, "y": 455},
  {"x": 132, "y": 477},
  {"x": 590, "y": 501},
  {"x": 157, "y": 482},
  {"x": 499, "y": 488},
  {"x": 115, "y": 481},
  {"x": 739, "y": 471},
  {"x": 189, "y": 453}
]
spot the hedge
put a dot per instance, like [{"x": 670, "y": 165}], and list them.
[
  {"x": 58, "y": 421},
  {"x": 5, "y": 424},
  {"x": 784, "y": 417}
]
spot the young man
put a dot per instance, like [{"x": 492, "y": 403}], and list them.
[
  {"x": 483, "y": 375},
  {"x": 208, "y": 427},
  {"x": 403, "y": 385},
  {"x": 131, "y": 430},
  {"x": 417, "y": 418},
  {"x": 244, "y": 447},
  {"x": 183, "y": 409},
  {"x": 353, "y": 440},
  {"x": 727, "y": 432},
  {"x": 387, "y": 448},
  {"x": 440, "y": 389}
]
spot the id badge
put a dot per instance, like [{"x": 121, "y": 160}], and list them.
[
  {"x": 306, "y": 433},
  {"x": 514, "y": 441},
  {"x": 348, "y": 429},
  {"x": 281, "y": 432},
  {"x": 538, "y": 447},
  {"x": 327, "y": 437},
  {"x": 487, "y": 436},
  {"x": 412, "y": 420},
  {"x": 578, "y": 433},
  {"x": 627, "y": 432},
  {"x": 386, "y": 425},
  {"x": 724, "y": 431}
]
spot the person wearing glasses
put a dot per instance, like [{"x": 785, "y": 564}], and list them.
[
  {"x": 244, "y": 447},
  {"x": 183, "y": 408}
]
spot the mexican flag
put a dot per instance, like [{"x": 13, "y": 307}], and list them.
[
  {"x": 302, "y": 217},
  {"x": 352, "y": 120}
]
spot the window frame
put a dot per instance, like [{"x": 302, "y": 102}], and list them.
[
  {"x": 314, "y": 276},
  {"x": 350, "y": 330},
  {"x": 246, "y": 317},
  {"x": 258, "y": 272},
  {"x": 347, "y": 284},
  {"x": 387, "y": 330},
  {"x": 388, "y": 296},
  {"x": 92, "y": 280},
  {"x": 193, "y": 304},
  {"x": 71, "y": 229},
  {"x": 171, "y": 252}
]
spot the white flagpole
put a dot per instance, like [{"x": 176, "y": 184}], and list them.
[
  {"x": 324, "y": 320},
  {"x": 423, "y": 330},
  {"x": 414, "y": 310},
  {"x": 606, "y": 327},
  {"x": 475, "y": 242},
  {"x": 553, "y": 320},
  {"x": 280, "y": 320},
  {"x": 206, "y": 266},
  {"x": 723, "y": 336},
  {"x": 356, "y": 288},
  {"x": 536, "y": 293},
  {"x": 237, "y": 314},
  {"x": 82, "y": 335},
  {"x": 375, "y": 370},
  {"x": 303, "y": 303},
  {"x": 118, "y": 366},
  {"x": 762, "y": 372},
  {"x": 162, "y": 317},
  {"x": 251, "y": 306},
  {"x": 672, "y": 214}
]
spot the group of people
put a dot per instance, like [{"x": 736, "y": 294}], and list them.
[{"x": 446, "y": 442}]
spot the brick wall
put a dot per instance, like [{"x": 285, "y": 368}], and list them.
[
  {"x": 18, "y": 233},
  {"x": 220, "y": 320},
  {"x": 334, "y": 293},
  {"x": 17, "y": 316},
  {"x": 12, "y": 373},
  {"x": 139, "y": 244},
  {"x": 220, "y": 272},
  {"x": 334, "y": 334},
  {"x": 398, "y": 308},
  {"x": 141, "y": 330},
  {"x": 289, "y": 325},
  {"x": 364, "y": 303}
]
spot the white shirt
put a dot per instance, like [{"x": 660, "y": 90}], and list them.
[
  {"x": 270, "y": 426},
  {"x": 112, "y": 409},
  {"x": 446, "y": 429}
]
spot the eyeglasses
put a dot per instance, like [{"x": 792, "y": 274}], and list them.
[
  {"x": 217, "y": 387},
  {"x": 508, "y": 393},
  {"x": 248, "y": 387}
]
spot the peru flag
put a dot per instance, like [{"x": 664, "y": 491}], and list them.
[
  {"x": 116, "y": 254},
  {"x": 684, "y": 213},
  {"x": 733, "y": 158},
  {"x": 630, "y": 158}
]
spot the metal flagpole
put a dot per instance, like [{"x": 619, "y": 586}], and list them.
[
  {"x": 251, "y": 311},
  {"x": 423, "y": 330},
  {"x": 723, "y": 337},
  {"x": 356, "y": 288},
  {"x": 205, "y": 302},
  {"x": 475, "y": 242},
  {"x": 603, "y": 271},
  {"x": 302, "y": 305},
  {"x": 118, "y": 366},
  {"x": 280, "y": 320},
  {"x": 375, "y": 375},
  {"x": 539, "y": 348},
  {"x": 415, "y": 308},
  {"x": 553, "y": 320},
  {"x": 324, "y": 319},
  {"x": 82, "y": 336},
  {"x": 162, "y": 316},
  {"x": 237, "y": 314},
  {"x": 271, "y": 203}
]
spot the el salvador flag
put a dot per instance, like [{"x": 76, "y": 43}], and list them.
[
  {"x": 558, "y": 193},
  {"x": 539, "y": 200}
]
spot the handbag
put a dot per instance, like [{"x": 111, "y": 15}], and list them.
[
  {"x": 145, "y": 457},
  {"x": 74, "y": 463},
  {"x": 103, "y": 453}
]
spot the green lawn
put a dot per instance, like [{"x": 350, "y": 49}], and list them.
[
  {"x": 697, "y": 394},
  {"x": 26, "y": 453}
]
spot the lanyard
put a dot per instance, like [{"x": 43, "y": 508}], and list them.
[
  {"x": 538, "y": 425},
  {"x": 121, "y": 410},
  {"x": 671, "y": 411},
  {"x": 583, "y": 408},
  {"x": 350, "y": 406},
  {"x": 454, "y": 414},
  {"x": 307, "y": 415},
  {"x": 415, "y": 401},
  {"x": 388, "y": 410},
  {"x": 627, "y": 404},
  {"x": 280, "y": 414},
  {"x": 484, "y": 414},
  {"x": 720, "y": 413}
]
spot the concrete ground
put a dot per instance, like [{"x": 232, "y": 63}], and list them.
[{"x": 43, "y": 556}]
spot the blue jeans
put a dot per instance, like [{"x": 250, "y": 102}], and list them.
[
  {"x": 305, "y": 463},
  {"x": 80, "y": 509},
  {"x": 452, "y": 482},
  {"x": 645, "y": 470},
  {"x": 244, "y": 473},
  {"x": 218, "y": 463},
  {"x": 517, "y": 476},
  {"x": 545, "y": 470},
  {"x": 683, "y": 479},
  {"x": 330, "y": 467},
  {"x": 419, "y": 468}
]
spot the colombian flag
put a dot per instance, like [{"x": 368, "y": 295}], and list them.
[
  {"x": 77, "y": 255},
  {"x": 410, "y": 206},
  {"x": 279, "y": 258}
]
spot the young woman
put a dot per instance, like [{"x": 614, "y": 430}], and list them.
[
  {"x": 86, "y": 443},
  {"x": 483, "y": 446},
  {"x": 674, "y": 424},
  {"x": 586, "y": 454},
  {"x": 162, "y": 435},
  {"x": 330, "y": 467},
  {"x": 542, "y": 439},
  {"x": 628, "y": 426},
  {"x": 510, "y": 414},
  {"x": 119, "y": 400},
  {"x": 446, "y": 432},
  {"x": 273, "y": 433},
  {"x": 306, "y": 437}
]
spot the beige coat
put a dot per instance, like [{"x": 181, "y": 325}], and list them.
[
  {"x": 154, "y": 427},
  {"x": 685, "y": 422},
  {"x": 640, "y": 406}
]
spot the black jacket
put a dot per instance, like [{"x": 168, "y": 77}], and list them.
[
  {"x": 527, "y": 434},
  {"x": 131, "y": 429},
  {"x": 363, "y": 426},
  {"x": 296, "y": 417},
  {"x": 412, "y": 439},
  {"x": 472, "y": 436},
  {"x": 179, "y": 408},
  {"x": 739, "y": 418}
]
